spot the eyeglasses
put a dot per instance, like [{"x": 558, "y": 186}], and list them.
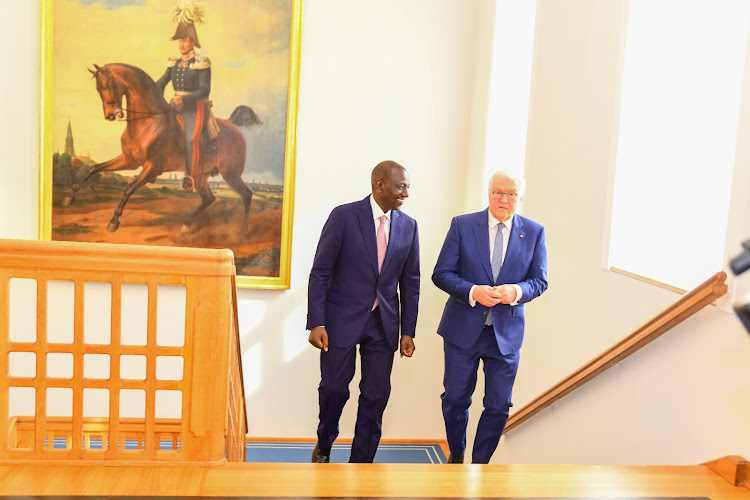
[{"x": 500, "y": 194}]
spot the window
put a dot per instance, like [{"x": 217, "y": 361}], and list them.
[{"x": 681, "y": 90}]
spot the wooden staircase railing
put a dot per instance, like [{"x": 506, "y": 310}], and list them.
[
  {"x": 686, "y": 306},
  {"x": 734, "y": 468},
  {"x": 206, "y": 394}
]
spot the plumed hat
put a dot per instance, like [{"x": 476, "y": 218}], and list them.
[{"x": 187, "y": 14}]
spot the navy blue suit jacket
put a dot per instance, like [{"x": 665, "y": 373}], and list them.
[
  {"x": 344, "y": 279},
  {"x": 464, "y": 261}
]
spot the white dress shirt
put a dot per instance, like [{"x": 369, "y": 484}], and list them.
[{"x": 493, "y": 224}]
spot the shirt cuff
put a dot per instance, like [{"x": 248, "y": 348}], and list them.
[
  {"x": 519, "y": 293},
  {"x": 472, "y": 302}
]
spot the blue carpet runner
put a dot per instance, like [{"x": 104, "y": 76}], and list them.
[{"x": 300, "y": 452}]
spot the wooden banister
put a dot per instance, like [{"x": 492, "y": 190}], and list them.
[
  {"x": 734, "y": 468},
  {"x": 213, "y": 420},
  {"x": 686, "y": 306}
]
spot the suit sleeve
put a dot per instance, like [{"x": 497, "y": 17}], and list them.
[
  {"x": 446, "y": 273},
  {"x": 323, "y": 266},
  {"x": 536, "y": 279},
  {"x": 409, "y": 287}
]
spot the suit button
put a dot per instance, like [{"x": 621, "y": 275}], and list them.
[{"x": 485, "y": 313}]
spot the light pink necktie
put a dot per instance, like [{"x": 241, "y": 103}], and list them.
[{"x": 382, "y": 244}]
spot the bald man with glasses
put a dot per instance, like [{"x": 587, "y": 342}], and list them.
[{"x": 491, "y": 264}]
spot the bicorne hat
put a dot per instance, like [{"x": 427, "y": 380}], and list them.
[
  {"x": 186, "y": 15},
  {"x": 186, "y": 31}
]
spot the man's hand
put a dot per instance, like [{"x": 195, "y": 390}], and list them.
[
  {"x": 507, "y": 293},
  {"x": 407, "y": 346},
  {"x": 488, "y": 295},
  {"x": 319, "y": 337}
]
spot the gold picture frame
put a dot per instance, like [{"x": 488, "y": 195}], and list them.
[{"x": 253, "y": 50}]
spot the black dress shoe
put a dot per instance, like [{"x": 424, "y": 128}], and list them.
[
  {"x": 456, "y": 459},
  {"x": 319, "y": 456}
]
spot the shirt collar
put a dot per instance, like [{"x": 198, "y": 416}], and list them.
[
  {"x": 492, "y": 221},
  {"x": 377, "y": 211}
]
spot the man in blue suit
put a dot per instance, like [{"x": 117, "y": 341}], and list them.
[
  {"x": 492, "y": 263},
  {"x": 363, "y": 288}
]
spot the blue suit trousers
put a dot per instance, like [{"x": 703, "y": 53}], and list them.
[
  {"x": 460, "y": 380},
  {"x": 337, "y": 370}
]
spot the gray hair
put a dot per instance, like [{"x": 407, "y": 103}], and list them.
[{"x": 517, "y": 180}]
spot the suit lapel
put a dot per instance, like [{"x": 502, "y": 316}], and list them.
[
  {"x": 367, "y": 227},
  {"x": 515, "y": 243},
  {"x": 482, "y": 234}
]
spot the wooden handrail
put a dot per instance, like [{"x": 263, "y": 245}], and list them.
[
  {"x": 686, "y": 306},
  {"x": 733, "y": 468}
]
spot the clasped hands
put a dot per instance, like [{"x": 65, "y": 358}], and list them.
[
  {"x": 319, "y": 338},
  {"x": 491, "y": 295}
]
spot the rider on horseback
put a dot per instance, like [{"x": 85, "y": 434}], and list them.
[{"x": 190, "y": 75}]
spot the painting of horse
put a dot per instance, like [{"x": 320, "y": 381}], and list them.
[{"x": 154, "y": 140}]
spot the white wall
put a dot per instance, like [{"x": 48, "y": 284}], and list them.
[
  {"x": 19, "y": 107},
  {"x": 685, "y": 398},
  {"x": 407, "y": 80}
]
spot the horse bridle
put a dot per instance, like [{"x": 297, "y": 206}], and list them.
[{"x": 118, "y": 99}]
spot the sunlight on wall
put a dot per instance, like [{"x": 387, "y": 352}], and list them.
[
  {"x": 295, "y": 335},
  {"x": 252, "y": 368},
  {"x": 251, "y": 314},
  {"x": 510, "y": 86}
]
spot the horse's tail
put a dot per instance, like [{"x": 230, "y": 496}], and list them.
[{"x": 244, "y": 116}]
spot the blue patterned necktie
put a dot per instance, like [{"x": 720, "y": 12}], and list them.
[
  {"x": 497, "y": 262},
  {"x": 497, "y": 253}
]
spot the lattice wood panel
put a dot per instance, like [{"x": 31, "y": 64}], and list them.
[{"x": 97, "y": 394}]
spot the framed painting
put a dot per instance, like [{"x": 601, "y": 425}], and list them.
[{"x": 172, "y": 122}]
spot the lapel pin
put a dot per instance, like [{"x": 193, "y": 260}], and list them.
[{"x": 521, "y": 235}]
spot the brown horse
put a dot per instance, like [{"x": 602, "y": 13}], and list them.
[{"x": 153, "y": 139}]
